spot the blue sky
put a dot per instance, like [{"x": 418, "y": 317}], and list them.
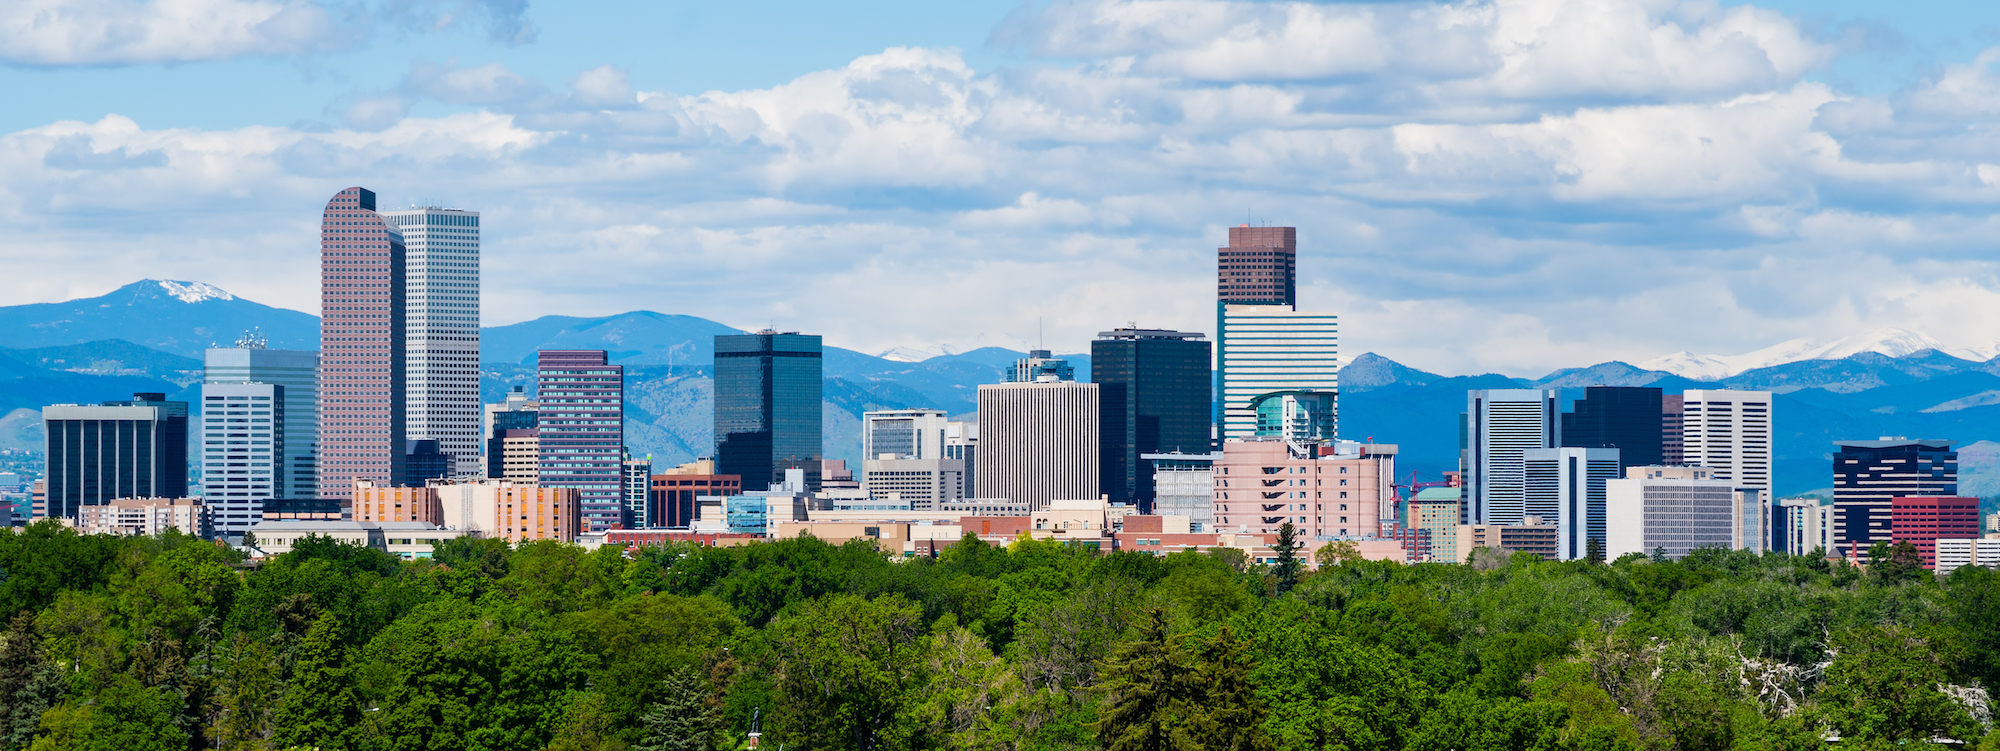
[{"x": 1510, "y": 185}]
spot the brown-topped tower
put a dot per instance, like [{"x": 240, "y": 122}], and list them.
[{"x": 1260, "y": 267}]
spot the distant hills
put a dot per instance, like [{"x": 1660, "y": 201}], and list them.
[{"x": 149, "y": 336}]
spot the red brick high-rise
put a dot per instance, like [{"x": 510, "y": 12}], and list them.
[
  {"x": 1260, "y": 267},
  {"x": 361, "y": 340}
]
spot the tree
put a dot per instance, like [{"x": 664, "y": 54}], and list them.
[
  {"x": 1287, "y": 547},
  {"x": 1594, "y": 551},
  {"x": 1141, "y": 681},
  {"x": 319, "y": 709},
  {"x": 1897, "y": 564},
  {"x": 1883, "y": 690},
  {"x": 844, "y": 666},
  {"x": 683, "y": 719},
  {"x": 29, "y": 683},
  {"x": 1167, "y": 694}
]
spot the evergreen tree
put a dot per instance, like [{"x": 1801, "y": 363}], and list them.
[
  {"x": 1289, "y": 564},
  {"x": 29, "y": 683},
  {"x": 683, "y": 719},
  {"x": 1142, "y": 679},
  {"x": 1594, "y": 552},
  {"x": 1221, "y": 709},
  {"x": 319, "y": 709}
]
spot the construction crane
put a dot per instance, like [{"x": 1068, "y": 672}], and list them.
[{"x": 1404, "y": 492}]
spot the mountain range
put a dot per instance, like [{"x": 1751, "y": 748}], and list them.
[{"x": 149, "y": 336}]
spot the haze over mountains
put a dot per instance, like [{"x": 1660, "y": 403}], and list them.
[{"x": 149, "y": 335}]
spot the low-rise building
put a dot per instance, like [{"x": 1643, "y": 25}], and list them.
[
  {"x": 146, "y": 516},
  {"x": 511, "y": 511},
  {"x": 376, "y": 503},
  {"x": 1972, "y": 551},
  {"x": 405, "y": 539},
  {"x": 1532, "y": 536},
  {"x": 672, "y": 498},
  {"x": 1184, "y": 485}
]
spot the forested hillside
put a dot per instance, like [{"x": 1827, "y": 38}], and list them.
[{"x": 174, "y": 643}]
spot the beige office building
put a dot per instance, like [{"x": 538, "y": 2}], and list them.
[
  {"x": 1038, "y": 441},
  {"x": 372, "y": 503},
  {"x": 511, "y": 511}
]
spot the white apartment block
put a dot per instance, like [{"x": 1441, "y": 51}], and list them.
[
  {"x": 441, "y": 283},
  {"x": 1039, "y": 441},
  {"x": 1501, "y": 426},
  {"x": 145, "y": 517},
  {"x": 1264, "y": 349}
]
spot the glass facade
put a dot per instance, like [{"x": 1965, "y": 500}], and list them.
[
  {"x": 1154, "y": 398},
  {"x": 97, "y": 454},
  {"x": 1626, "y": 418},
  {"x": 767, "y": 407},
  {"x": 581, "y": 427}
]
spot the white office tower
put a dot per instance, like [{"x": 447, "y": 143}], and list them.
[
  {"x": 441, "y": 283},
  {"x": 903, "y": 434},
  {"x": 1801, "y": 525},
  {"x": 1265, "y": 349},
  {"x": 1501, "y": 425},
  {"x": 1729, "y": 432},
  {"x": 243, "y": 452},
  {"x": 637, "y": 475},
  {"x": 1038, "y": 442},
  {"x": 1566, "y": 488},
  {"x": 961, "y": 442},
  {"x": 1675, "y": 509},
  {"x": 298, "y": 372}
]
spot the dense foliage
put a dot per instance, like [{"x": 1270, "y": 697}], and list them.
[{"x": 175, "y": 643}]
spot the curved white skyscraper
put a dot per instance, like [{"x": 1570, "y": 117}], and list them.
[{"x": 442, "y": 313}]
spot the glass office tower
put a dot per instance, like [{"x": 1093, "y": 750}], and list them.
[
  {"x": 100, "y": 453},
  {"x": 1627, "y": 418},
  {"x": 767, "y": 406},
  {"x": 1154, "y": 398}
]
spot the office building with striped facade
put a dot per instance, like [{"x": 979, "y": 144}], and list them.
[
  {"x": 1501, "y": 425},
  {"x": 99, "y": 453},
  {"x": 580, "y": 433},
  {"x": 441, "y": 310},
  {"x": 297, "y": 371},
  {"x": 1565, "y": 487},
  {"x": 243, "y": 433},
  {"x": 1039, "y": 442},
  {"x": 1264, "y": 349},
  {"x": 1728, "y": 432},
  {"x": 362, "y": 334}
]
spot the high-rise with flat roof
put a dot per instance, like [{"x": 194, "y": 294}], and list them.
[
  {"x": 1154, "y": 387},
  {"x": 298, "y": 372},
  {"x": 767, "y": 407},
  {"x": 1869, "y": 475},
  {"x": 1038, "y": 442},
  {"x": 1267, "y": 349},
  {"x": 243, "y": 431},
  {"x": 1501, "y": 425},
  {"x": 441, "y": 310},
  {"x": 1259, "y": 267},
  {"x": 121, "y": 449},
  {"x": 580, "y": 431},
  {"x": 1627, "y": 418},
  {"x": 1566, "y": 488},
  {"x": 1672, "y": 509},
  {"x": 1730, "y": 432},
  {"x": 903, "y": 434},
  {"x": 362, "y": 339}
]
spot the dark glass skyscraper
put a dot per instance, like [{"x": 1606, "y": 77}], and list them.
[
  {"x": 767, "y": 406},
  {"x": 1154, "y": 398},
  {"x": 1621, "y": 417},
  {"x": 100, "y": 453}
]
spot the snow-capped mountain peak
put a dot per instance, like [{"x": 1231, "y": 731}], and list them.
[
  {"x": 194, "y": 292},
  {"x": 1890, "y": 341},
  {"x": 916, "y": 354}
]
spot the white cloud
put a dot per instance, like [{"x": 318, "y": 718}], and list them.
[
  {"x": 120, "y": 32},
  {"x": 1550, "y": 185}
]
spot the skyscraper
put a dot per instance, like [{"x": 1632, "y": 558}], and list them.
[
  {"x": 1501, "y": 425},
  {"x": 581, "y": 432},
  {"x": 441, "y": 280},
  {"x": 100, "y": 453},
  {"x": 362, "y": 335},
  {"x": 243, "y": 431},
  {"x": 1260, "y": 267},
  {"x": 1729, "y": 432},
  {"x": 1266, "y": 349},
  {"x": 1039, "y": 442},
  {"x": 1153, "y": 387},
  {"x": 1566, "y": 488},
  {"x": 767, "y": 407},
  {"x": 298, "y": 372},
  {"x": 1625, "y": 418},
  {"x": 1869, "y": 475},
  {"x": 637, "y": 479}
]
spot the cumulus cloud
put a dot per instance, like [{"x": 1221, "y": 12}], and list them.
[{"x": 1510, "y": 185}]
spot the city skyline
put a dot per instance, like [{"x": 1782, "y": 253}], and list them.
[{"x": 1535, "y": 204}]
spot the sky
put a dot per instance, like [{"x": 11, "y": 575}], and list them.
[{"x": 1501, "y": 186}]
